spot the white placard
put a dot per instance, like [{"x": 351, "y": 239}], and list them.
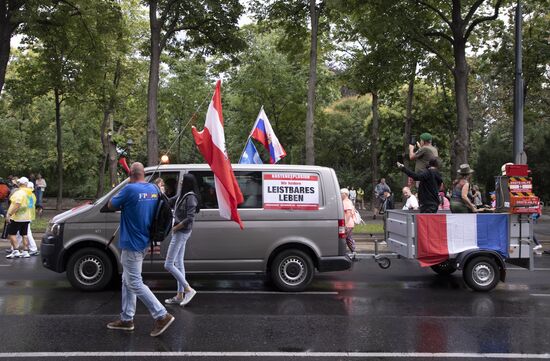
[{"x": 297, "y": 191}]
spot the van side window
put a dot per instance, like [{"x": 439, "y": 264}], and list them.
[
  {"x": 249, "y": 182},
  {"x": 170, "y": 182}
]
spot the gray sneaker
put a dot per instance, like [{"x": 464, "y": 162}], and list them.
[
  {"x": 188, "y": 296},
  {"x": 173, "y": 301},
  {"x": 34, "y": 253}
]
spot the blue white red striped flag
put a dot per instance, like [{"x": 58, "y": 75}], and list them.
[{"x": 442, "y": 235}]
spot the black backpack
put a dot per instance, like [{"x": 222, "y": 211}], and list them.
[{"x": 162, "y": 220}]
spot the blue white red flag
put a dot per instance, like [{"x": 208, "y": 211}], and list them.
[
  {"x": 211, "y": 144},
  {"x": 264, "y": 134},
  {"x": 442, "y": 235},
  {"x": 250, "y": 154}
]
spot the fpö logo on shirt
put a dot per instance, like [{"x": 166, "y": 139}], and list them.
[{"x": 147, "y": 196}]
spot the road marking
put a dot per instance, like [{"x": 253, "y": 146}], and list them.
[
  {"x": 540, "y": 294},
  {"x": 5, "y": 265},
  {"x": 525, "y": 269},
  {"x": 260, "y": 292},
  {"x": 280, "y": 354}
]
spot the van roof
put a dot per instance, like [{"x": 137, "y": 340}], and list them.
[{"x": 273, "y": 167}]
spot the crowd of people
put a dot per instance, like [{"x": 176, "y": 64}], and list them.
[{"x": 24, "y": 198}]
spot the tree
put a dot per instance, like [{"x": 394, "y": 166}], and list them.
[
  {"x": 446, "y": 34},
  {"x": 12, "y": 13},
  {"x": 210, "y": 26}
]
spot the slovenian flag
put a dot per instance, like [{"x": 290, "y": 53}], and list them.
[
  {"x": 250, "y": 154},
  {"x": 211, "y": 144},
  {"x": 441, "y": 235},
  {"x": 263, "y": 133}
]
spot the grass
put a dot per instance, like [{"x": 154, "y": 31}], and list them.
[
  {"x": 39, "y": 224},
  {"x": 369, "y": 228}
]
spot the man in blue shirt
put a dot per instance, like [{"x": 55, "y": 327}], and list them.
[{"x": 138, "y": 201}]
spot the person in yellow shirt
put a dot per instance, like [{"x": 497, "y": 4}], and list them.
[{"x": 18, "y": 218}]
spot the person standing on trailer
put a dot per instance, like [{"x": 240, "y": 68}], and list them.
[{"x": 430, "y": 181}]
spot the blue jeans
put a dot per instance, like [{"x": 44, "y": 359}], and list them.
[
  {"x": 174, "y": 258},
  {"x": 133, "y": 286},
  {"x": 39, "y": 192}
]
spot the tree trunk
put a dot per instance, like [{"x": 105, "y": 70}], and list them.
[
  {"x": 59, "y": 149},
  {"x": 408, "y": 122},
  {"x": 113, "y": 163},
  {"x": 310, "y": 120},
  {"x": 7, "y": 28},
  {"x": 462, "y": 139},
  {"x": 374, "y": 145},
  {"x": 152, "y": 90}
]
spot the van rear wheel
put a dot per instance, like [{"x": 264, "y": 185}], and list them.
[
  {"x": 292, "y": 270},
  {"x": 89, "y": 269}
]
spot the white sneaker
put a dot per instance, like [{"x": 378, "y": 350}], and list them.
[
  {"x": 14, "y": 254},
  {"x": 188, "y": 296},
  {"x": 538, "y": 246},
  {"x": 25, "y": 254}
]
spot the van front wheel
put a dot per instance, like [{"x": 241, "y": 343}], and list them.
[
  {"x": 292, "y": 270},
  {"x": 89, "y": 269}
]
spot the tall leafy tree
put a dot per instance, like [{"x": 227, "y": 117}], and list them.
[{"x": 204, "y": 25}]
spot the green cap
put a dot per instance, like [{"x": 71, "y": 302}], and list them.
[{"x": 426, "y": 137}]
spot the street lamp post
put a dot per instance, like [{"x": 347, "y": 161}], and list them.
[
  {"x": 129, "y": 144},
  {"x": 519, "y": 154}
]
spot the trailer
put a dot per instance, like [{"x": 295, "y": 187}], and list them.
[{"x": 480, "y": 245}]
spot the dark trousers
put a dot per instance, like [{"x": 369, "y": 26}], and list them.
[{"x": 428, "y": 208}]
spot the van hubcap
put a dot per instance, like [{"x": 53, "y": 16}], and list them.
[
  {"x": 89, "y": 270},
  {"x": 483, "y": 274},
  {"x": 293, "y": 270}
]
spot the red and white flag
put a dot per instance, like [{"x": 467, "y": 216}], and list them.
[{"x": 211, "y": 144}]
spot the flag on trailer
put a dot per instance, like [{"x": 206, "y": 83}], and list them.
[
  {"x": 442, "y": 235},
  {"x": 211, "y": 144},
  {"x": 264, "y": 134},
  {"x": 250, "y": 154}
]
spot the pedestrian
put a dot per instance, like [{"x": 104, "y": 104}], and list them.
[
  {"x": 159, "y": 182},
  {"x": 476, "y": 194},
  {"x": 352, "y": 195},
  {"x": 461, "y": 197},
  {"x": 411, "y": 203},
  {"x": 349, "y": 218},
  {"x": 430, "y": 181},
  {"x": 138, "y": 201},
  {"x": 33, "y": 249},
  {"x": 40, "y": 187},
  {"x": 535, "y": 217},
  {"x": 423, "y": 154},
  {"x": 361, "y": 198},
  {"x": 185, "y": 206},
  {"x": 379, "y": 191},
  {"x": 444, "y": 204},
  {"x": 18, "y": 219}
]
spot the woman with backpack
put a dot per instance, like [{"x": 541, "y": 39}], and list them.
[{"x": 185, "y": 207}]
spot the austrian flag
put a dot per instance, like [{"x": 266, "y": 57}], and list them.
[{"x": 211, "y": 144}]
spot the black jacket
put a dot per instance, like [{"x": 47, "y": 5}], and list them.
[
  {"x": 428, "y": 189},
  {"x": 185, "y": 208}
]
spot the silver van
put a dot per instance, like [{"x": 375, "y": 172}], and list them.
[{"x": 293, "y": 224}]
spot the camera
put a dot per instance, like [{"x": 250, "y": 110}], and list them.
[{"x": 412, "y": 140}]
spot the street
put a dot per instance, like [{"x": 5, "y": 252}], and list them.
[{"x": 401, "y": 313}]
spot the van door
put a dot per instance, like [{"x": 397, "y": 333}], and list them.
[{"x": 219, "y": 245}]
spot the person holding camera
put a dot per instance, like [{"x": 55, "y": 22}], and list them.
[
  {"x": 430, "y": 181},
  {"x": 425, "y": 152}
]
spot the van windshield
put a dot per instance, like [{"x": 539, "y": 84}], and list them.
[{"x": 112, "y": 191}]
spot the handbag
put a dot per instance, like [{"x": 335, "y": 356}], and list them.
[{"x": 357, "y": 217}]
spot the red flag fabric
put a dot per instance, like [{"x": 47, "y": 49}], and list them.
[
  {"x": 124, "y": 164},
  {"x": 211, "y": 144}
]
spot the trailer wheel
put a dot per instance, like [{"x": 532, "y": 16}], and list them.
[
  {"x": 481, "y": 274},
  {"x": 384, "y": 262},
  {"x": 444, "y": 268}
]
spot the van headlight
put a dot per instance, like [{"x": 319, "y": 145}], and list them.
[{"x": 54, "y": 228}]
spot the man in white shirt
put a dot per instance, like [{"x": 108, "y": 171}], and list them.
[{"x": 412, "y": 201}]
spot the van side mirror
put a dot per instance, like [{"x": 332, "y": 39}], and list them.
[{"x": 106, "y": 209}]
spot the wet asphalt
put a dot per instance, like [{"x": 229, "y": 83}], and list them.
[{"x": 405, "y": 309}]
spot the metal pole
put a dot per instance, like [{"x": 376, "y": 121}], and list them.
[{"x": 519, "y": 156}]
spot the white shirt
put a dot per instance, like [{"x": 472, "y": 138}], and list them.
[{"x": 412, "y": 203}]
